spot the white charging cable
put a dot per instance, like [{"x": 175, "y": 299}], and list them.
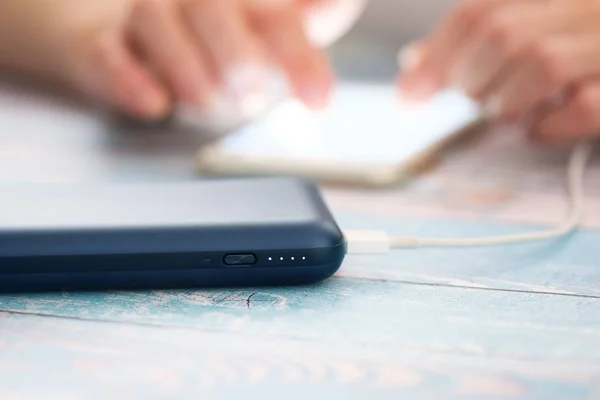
[{"x": 379, "y": 242}]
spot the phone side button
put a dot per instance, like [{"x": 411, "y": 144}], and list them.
[{"x": 239, "y": 259}]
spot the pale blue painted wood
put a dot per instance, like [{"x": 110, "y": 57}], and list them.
[
  {"x": 398, "y": 317},
  {"x": 68, "y": 359}
]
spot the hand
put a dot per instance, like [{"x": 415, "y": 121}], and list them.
[
  {"x": 202, "y": 50},
  {"x": 516, "y": 57},
  {"x": 144, "y": 56}
]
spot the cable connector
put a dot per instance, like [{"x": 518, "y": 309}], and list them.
[
  {"x": 377, "y": 242},
  {"x": 367, "y": 242}
]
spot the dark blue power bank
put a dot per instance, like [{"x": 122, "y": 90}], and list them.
[{"x": 225, "y": 233}]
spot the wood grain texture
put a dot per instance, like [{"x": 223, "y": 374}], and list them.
[
  {"x": 71, "y": 359},
  {"x": 393, "y": 316}
]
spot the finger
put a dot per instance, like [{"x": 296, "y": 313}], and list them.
[
  {"x": 160, "y": 33},
  {"x": 507, "y": 34},
  {"x": 407, "y": 58},
  {"x": 411, "y": 55},
  {"x": 326, "y": 21},
  {"x": 280, "y": 26},
  {"x": 578, "y": 118},
  {"x": 432, "y": 73},
  {"x": 115, "y": 76},
  {"x": 543, "y": 72},
  {"x": 307, "y": 4},
  {"x": 222, "y": 29}
]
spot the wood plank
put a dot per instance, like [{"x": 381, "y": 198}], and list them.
[
  {"x": 71, "y": 359},
  {"x": 393, "y": 316}
]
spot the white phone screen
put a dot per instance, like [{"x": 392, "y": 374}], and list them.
[{"x": 365, "y": 123}]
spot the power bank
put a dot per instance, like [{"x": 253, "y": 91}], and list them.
[{"x": 224, "y": 233}]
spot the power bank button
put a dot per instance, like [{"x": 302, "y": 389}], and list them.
[{"x": 239, "y": 259}]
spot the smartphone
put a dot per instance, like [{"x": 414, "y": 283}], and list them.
[
  {"x": 225, "y": 233},
  {"x": 366, "y": 136}
]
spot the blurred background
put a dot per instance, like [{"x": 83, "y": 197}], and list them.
[
  {"x": 399, "y": 20},
  {"x": 369, "y": 50}
]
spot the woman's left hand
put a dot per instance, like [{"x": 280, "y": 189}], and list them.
[{"x": 516, "y": 57}]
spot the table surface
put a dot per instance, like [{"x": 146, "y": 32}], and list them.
[{"x": 501, "y": 322}]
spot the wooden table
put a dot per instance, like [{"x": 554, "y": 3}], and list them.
[{"x": 509, "y": 322}]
